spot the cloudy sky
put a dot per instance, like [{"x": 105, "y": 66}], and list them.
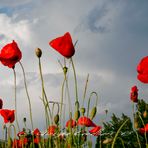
[{"x": 112, "y": 38}]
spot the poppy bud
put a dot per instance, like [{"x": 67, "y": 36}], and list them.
[
  {"x": 82, "y": 110},
  {"x": 56, "y": 119},
  {"x": 38, "y": 52},
  {"x": 77, "y": 105},
  {"x": 145, "y": 114},
  {"x": 65, "y": 69},
  {"x": 24, "y": 119},
  {"x": 107, "y": 140},
  {"x": 77, "y": 115},
  {"x": 93, "y": 113},
  {"x": 9, "y": 143},
  {"x": 136, "y": 124}
]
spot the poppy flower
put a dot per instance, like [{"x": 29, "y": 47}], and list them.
[
  {"x": 142, "y": 70},
  {"x": 51, "y": 130},
  {"x": 85, "y": 121},
  {"x": 95, "y": 131},
  {"x": 10, "y": 54},
  {"x": 134, "y": 94},
  {"x": 1, "y": 103},
  {"x": 144, "y": 129},
  {"x": 22, "y": 133},
  {"x": 8, "y": 115},
  {"x": 36, "y": 132},
  {"x": 63, "y": 45},
  {"x": 71, "y": 123}
]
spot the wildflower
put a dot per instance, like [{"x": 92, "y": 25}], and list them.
[
  {"x": 71, "y": 123},
  {"x": 134, "y": 94},
  {"x": 63, "y": 45},
  {"x": 85, "y": 121},
  {"x": 22, "y": 133},
  {"x": 51, "y": 130},
  {"x": 95, "y": 131},
  {"x": 144, "y": 129},
  {"x": 8, "y": 115},
  {"x": 36, "y": 132},
  {"x": 10, "y": 54},
  {"x": 1, "y": 103},
  {"x": 142, "y": 70}
]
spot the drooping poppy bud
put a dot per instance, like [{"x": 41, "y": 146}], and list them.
[
  {"x": 65, "y": 70},
  {"x": 77, "y": 105},
  {"x": 82, "y": 110},
  {"x": 38, "y": 52},
  {"x": 93, "y": 113},
  {"x": 56, "y": 118},
  {"x": 77, "y": 115}
]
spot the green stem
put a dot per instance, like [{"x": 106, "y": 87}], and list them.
[
  {"x": 121, "y": 141},
  {"x": 90, "y": 99},
  {"x": 118, "y": 133},
  {"x": 44, "y": 93},
  {"x": 144, "y": 126},
  {"x": 75, "y": 79},
  {"x": 86, "y": 84},
  {"x": 134, "y": 126},
  {"x": 15, "y": 99},
  {"x": 30, "y": 109}
]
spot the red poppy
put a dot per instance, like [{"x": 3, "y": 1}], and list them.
[
  {"x": 142, "y": 70},
  {"x": 63, "y": 45},
  {"x": 144, "y": 129},
  {"x": 51, "y": 130},
  {"x": 36, "y": 132},
  {"x": 22, "y": 133},
  {"x": 1, "y": 103},
  {"x": 10, "y": 54},
  {"x": 134, "y": 94},
  {"x": 95, "y": 131},
  {"x": 71, "y": 123},
  {"x": 22, "y": 142},
  {"x": 8, "y": 115},
  {"x": 85, "y": 121}
]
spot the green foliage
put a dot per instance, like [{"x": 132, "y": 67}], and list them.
[{"x": 127, "y": 136}]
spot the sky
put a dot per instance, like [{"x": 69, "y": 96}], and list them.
[{"x": 112, "y": 38}]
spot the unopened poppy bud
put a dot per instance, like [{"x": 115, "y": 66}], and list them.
[
  {"x": 24, "y": 119},
  {"x": 9, "y": 143},
  {"x": 107, "y": 140},
  {"x": 93, "y": 113},
  {"x": 77, "y": 115},
  {"x": 136, "y": 124},
  {"x": 65, "y": 69},
  {"x": 56, "y": 119},
  {"x": 145, "y": 114},
  {"x": 38, "y": 52},
  {"x": 77, "y": 105},
  {"x": 82, "y": 110}
]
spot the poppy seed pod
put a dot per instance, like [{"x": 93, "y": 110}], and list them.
[
  {"x": 77, "y": 105},
  {"x": 65, "y": 69},
  {"x": 145, "y": 114},
  {"x": 93, "y": 113},
  {"x": 38, "y": 52},
  {"x": 56, "y": 118},
  {"x": 82, "y": 110},
  {"x": 77, "y": 115}
]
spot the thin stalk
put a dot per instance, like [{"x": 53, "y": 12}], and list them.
[
  {"x": 44, "y": 93},
  {"x": 30, "y": 109},
  {"x": 86, "y": 84},
  {"x": 90, "y": 99},
  {"x": 144, "y": 126},
  {"x": 121, "y": 141},
  {"x": 17, "y": 123},
  {"x": 75, "y": 79},
  {"x": 134, "y": 127},
  {"x": 114, "y": 140}
]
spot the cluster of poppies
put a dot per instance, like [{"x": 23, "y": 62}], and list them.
[{"x": 10, "y": 54}]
